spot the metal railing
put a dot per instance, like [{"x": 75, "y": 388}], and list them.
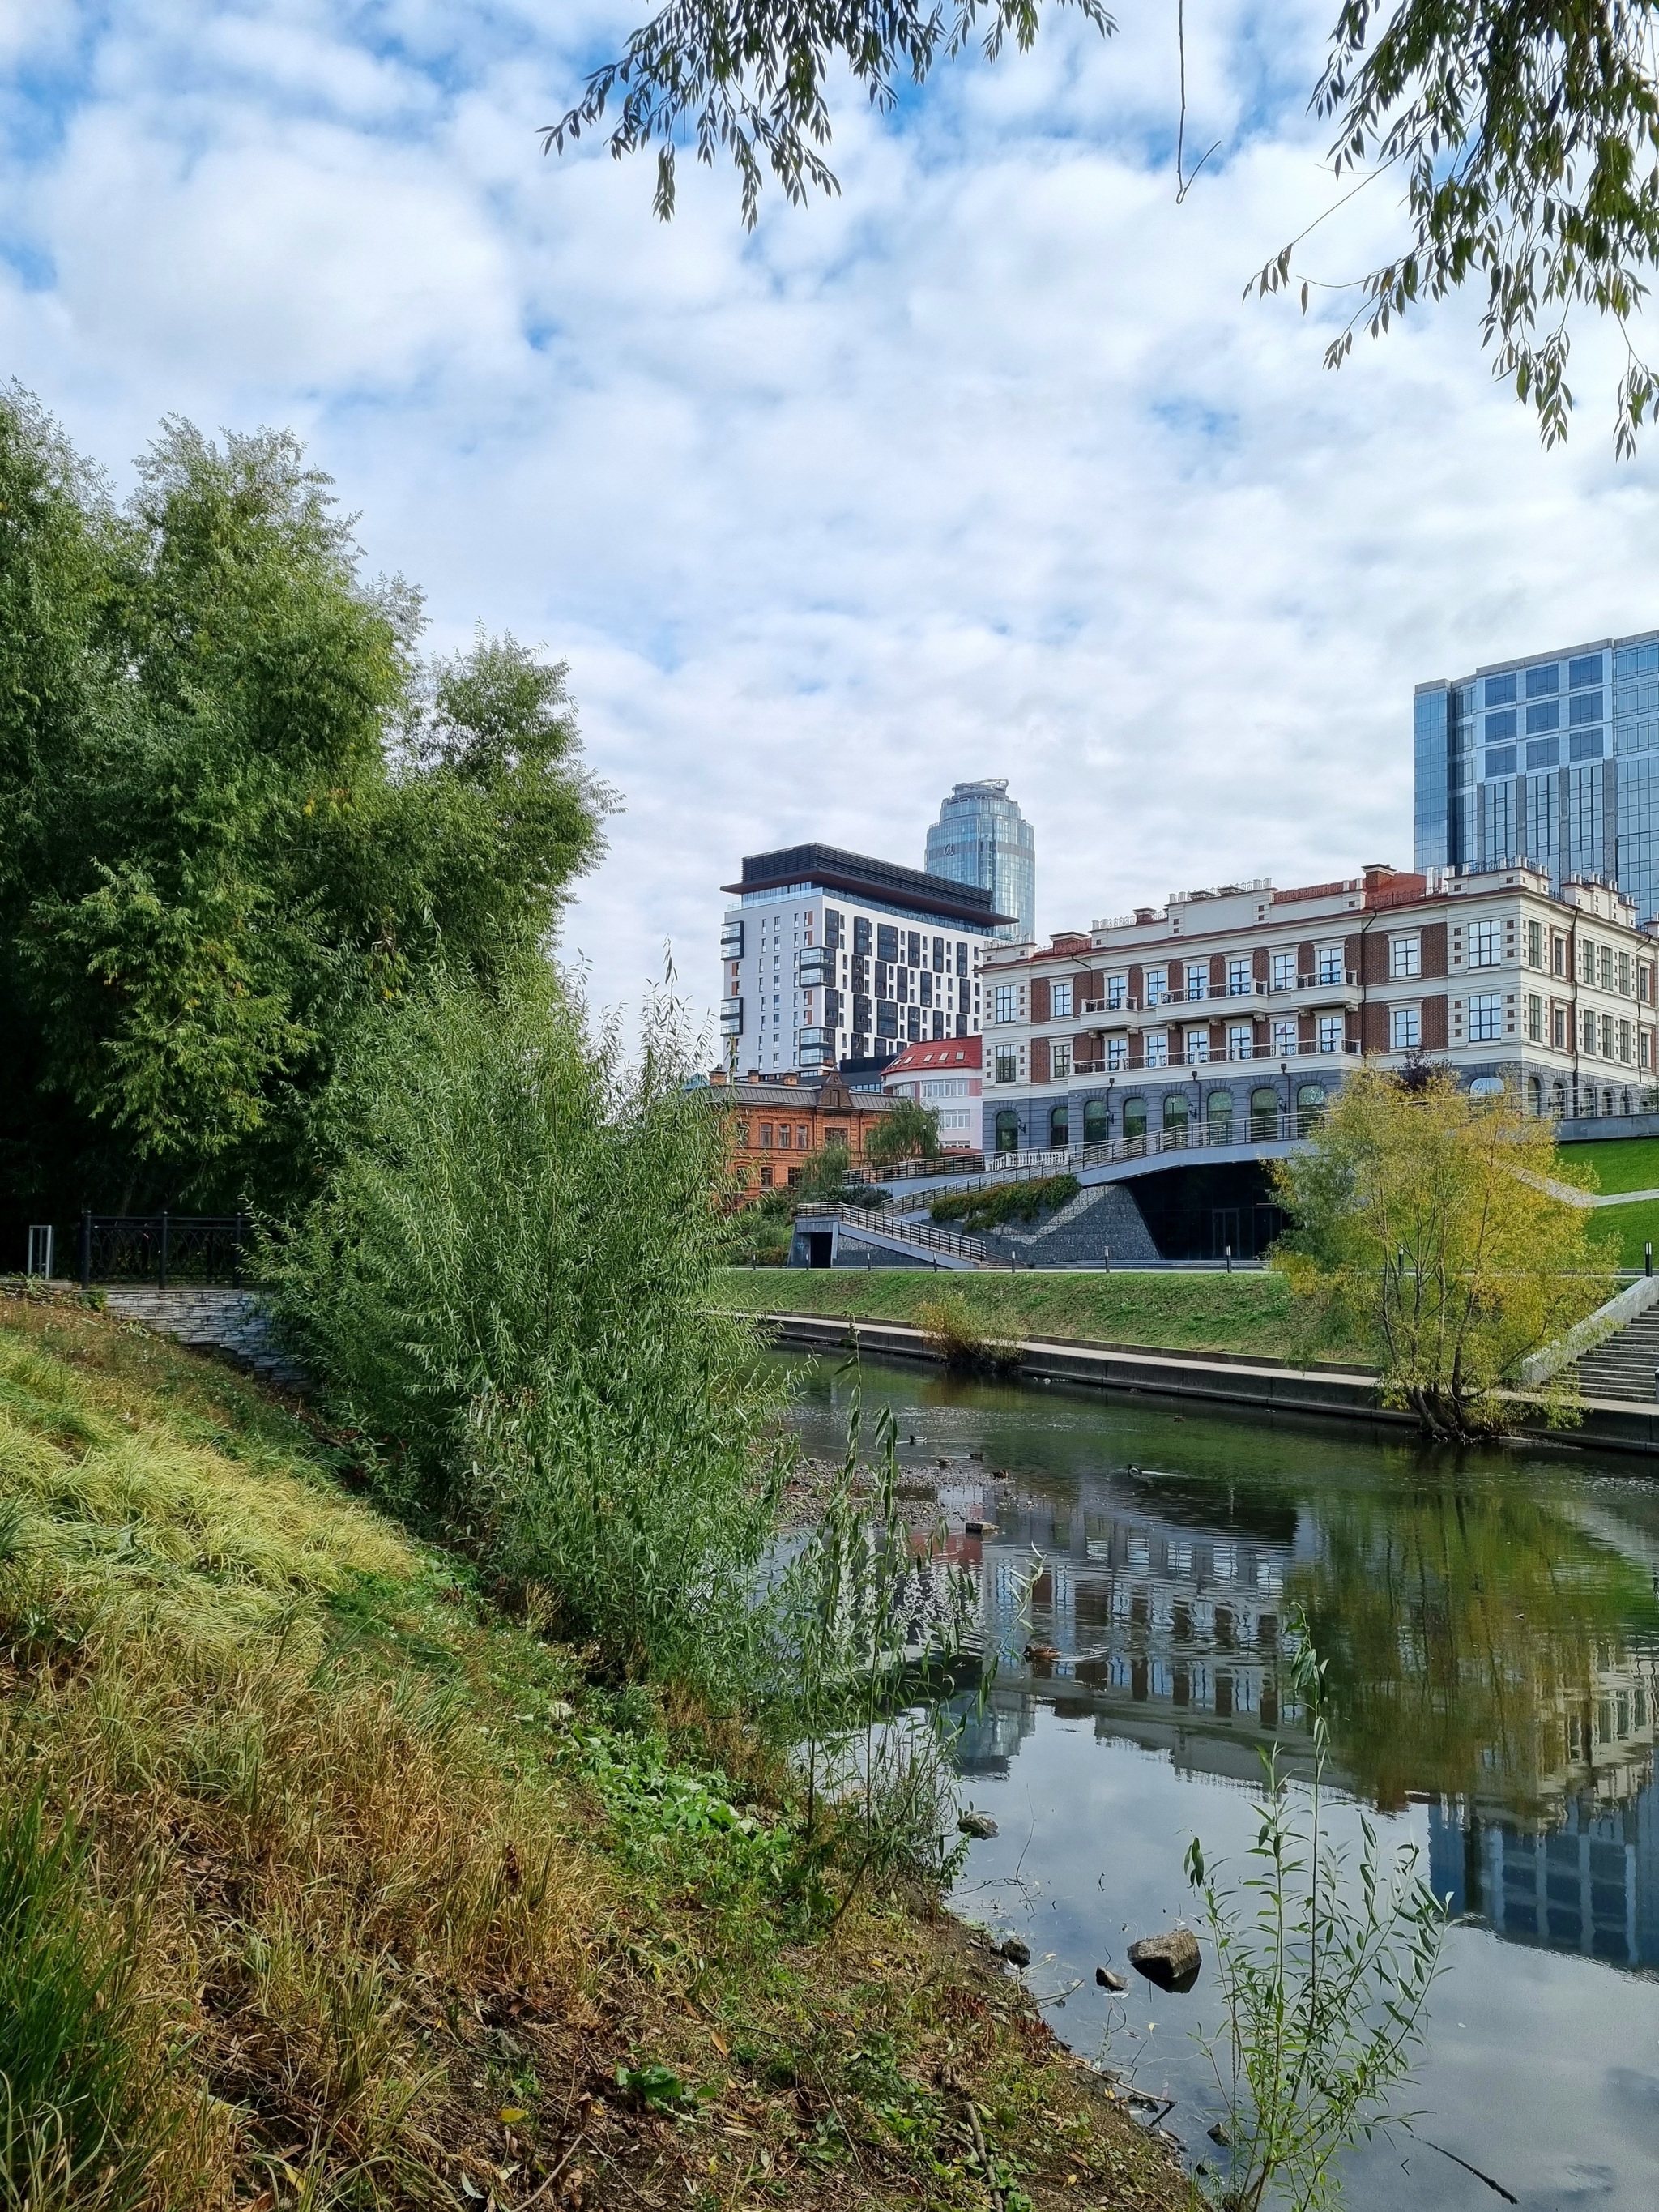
[
  {"x": 1281, "y": 1127},
  {"x": 1134, "y": 1064},
  {"x": 161, "y": 1247},
  {"x": 904, "y": 1232},
  {"x": 1228, "y": 993}
]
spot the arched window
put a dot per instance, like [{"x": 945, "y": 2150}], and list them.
[
  {"x": 1534, "y": 1095},
  {"x": 1175, "y": 1118},
  {"x": 1624, "y": 1102},
  {"x": 1218, "y": 1114},
  {"x": 1310, "y": 1108},
  {"x": 1135, "y": 1123},
  {"x": 1094, "y": 1122},
  {"x": 1607, "y": 1102},
  {"x": 1060, "y": 1122},
  {"x": 1264, "y": 1114},
  {"x": 1559, "y": 1106},
  {"x": 1007, "y": 1130},
  {"x": 1486, "y": 1086}
]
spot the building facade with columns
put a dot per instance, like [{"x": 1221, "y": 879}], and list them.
[{"x": 1233, "y": 1015}]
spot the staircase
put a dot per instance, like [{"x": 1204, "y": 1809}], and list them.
[
  {"x": 1624, "y": 1366},
  {"x": 1100, "y": 1218},
  {"x": 210, "y": 1318}
]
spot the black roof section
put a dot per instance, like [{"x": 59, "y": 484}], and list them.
[{"x": 827, "y": 867}]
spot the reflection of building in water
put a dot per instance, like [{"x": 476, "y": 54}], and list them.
[
  {"x": 1167, "y": 1634},
  {"x": 1584, "y": 1875}
]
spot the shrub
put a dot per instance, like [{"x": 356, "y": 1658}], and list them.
[
  {"x": 974, "y": 1211},
  {"x": 952, "y": 1331},
  {"x": 506, "y": 1283}
]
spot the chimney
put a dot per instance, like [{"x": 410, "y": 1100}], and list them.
[{"x": 1145, "y": 914}]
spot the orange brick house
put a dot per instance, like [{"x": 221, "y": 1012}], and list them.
[{"x": 777, "y": 1124}]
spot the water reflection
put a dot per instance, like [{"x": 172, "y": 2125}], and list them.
[{"x": 1491, "y": 1626}]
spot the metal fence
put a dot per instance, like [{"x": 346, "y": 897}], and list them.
[
  {"x": 908, "y": 1232},
  {"x": 1190, "y": 1136},
  {"x": 161, "y": 1247}
]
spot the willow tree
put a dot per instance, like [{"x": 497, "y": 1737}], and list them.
[
  {"x": 1434, "y": 1225},
  {"x": 1519, "y": 138}
]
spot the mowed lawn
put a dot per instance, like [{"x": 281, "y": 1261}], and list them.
[
  {"x": 1242, "y": 1313},
  {"x": 1622, "y": 1163}
]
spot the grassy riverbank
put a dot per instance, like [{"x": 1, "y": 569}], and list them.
[
  {"x": 1241, "y": 1313},
  {"x": 327, "y": 1884}
]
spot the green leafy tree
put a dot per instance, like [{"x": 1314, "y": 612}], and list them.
[
  {"x": 246, "y": 818},
  {"x": 907, "y": 1131},
  {"x": 1523, "y": 140},
  {"x": 1425, "y": 1224}
]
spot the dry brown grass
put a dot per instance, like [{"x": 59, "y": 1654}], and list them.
[{"x": 389, "y": 1947}]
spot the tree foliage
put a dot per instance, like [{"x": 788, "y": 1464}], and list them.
[
  {"x": 1424, "y": 1224},
  {"x": 1525, "y": 137},
  {"x": 243, "y": 815},
  {"x": 907, "y": 1131}
]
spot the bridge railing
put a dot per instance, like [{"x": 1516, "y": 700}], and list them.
[
  {"x": 947, "y": 1241},
  {"x": 1282, "y": 1126}
]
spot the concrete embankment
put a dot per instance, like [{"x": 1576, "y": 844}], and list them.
[{"x": 1348, "y": 1393}]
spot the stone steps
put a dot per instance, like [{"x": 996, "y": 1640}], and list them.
[{"x": 1625, "y": 1365}]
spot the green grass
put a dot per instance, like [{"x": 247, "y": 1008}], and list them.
[
  {"x": 1622, "y": 1231},
  {"x": 323, "y": 1882},
  {"x": 1242, "y": 1313},
  {"x": 1621, "y": 1163}
]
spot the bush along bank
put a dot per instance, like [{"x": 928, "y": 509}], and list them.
[{"x": 327, "y": 1882}]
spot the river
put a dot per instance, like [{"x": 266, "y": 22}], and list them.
[{"x": 1491, "y": 1626}]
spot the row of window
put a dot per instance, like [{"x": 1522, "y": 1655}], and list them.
[
  {"x": 1190, "y": 1047},
  {"x": 1544, "y": 681},
  {"x": 1266, "y": 1118}
]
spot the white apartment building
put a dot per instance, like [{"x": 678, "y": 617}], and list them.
[
  {"x": 945, "y": 1078},
  {"x": 1235, "y": 1013},
  {"x": 829, "y": 958}
]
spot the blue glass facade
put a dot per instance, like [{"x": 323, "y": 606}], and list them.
[
  {"x": 981, "y": 837},
  {"x": 1552, "y": 759}
]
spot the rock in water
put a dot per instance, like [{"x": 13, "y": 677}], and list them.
[
  {"x": 1109, "y": 1980},
  {"x": 1016, "y": 1953},
  {"x": 979, "y": 1826},
  {"x": 1171, "y": 1961}
]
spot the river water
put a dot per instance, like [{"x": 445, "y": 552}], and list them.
[{"x": 1491, "y": 1626}]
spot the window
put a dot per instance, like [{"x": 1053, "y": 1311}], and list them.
[
  {"x": 1330, "y": 1033},
  {"x": 1606, "y": 1036},
  {"x": 1534, "y": 1018},
  {"x": 1060, "y": 1124},
  {"x": 1310, "y": 1103},
  {"x": 1546, "y": 715},
  {"x": 1585, "y": 707},
  {"x": 1588, "y": 670},
  {"x": 1117, "y": 1051},
  {"x": 1535, "y": 944},
  {"x": 1541, "y": 682},
  {"x": 1500, "y": 726},
  {"x": 1589, "y": 1032},
  {"x": 1486, "y": 944},
  {"x": 766, "y": 1136},
  {"x": 1543, "y": 752},
  {"x": 1559, "y": 1028},
  {"x": 1499, "y": 690},
  {"x": 1157, "y": 1043},
  {"x": 1607, "y": 967},
  {"x": 1644, "y": 981},
  {"x": 1198, "y": 1046},
  {"x": 1500, "y": 759},
  {"x": 1154, "y": 988},
  {"x": 783, "y": 1136},
  {"x": 1264, "y": 1113},
  {"x": 861, "y": 936},
  {"x": 1624, "y": 974},
  {"x": 1219, "y": 1116},
  {"x": 1330, "y": 963},
  {"x": 794, "y": 1177},
  {"x": 1197, "y": 979},
  {"x": 1094, "y": 1122},
  {"x": 1585, "y": 744},
  {"x": 1059, "y": 1002},
  {"x": 803, "y": 1138},
  {"x": 1283, "y": 971},
  {"x": 1059, "y": 1062},
  {"x": 766, "y": 1177},
  {"x": 1240, "y": 981},
  {"x": 1624, "y": 1042},
  {"x": 1240, "y": 1038},
  {"x": 1405, "y": 956},
  {"x": 1406, "y": 1028},
  {"x": 1586, "y": 961},
  {"x": 1647, "y": 1047},
  {"x": 887, "y": 942},
  {"x": 1174, "y": 1117},
  {"x": 1486, "y": 1018},
  {"x": 1134, "y": 1118},
  {"x": 1007, "y": 1130},
  {"x": 1285, "y": 1039},
  {"x": 1558, "y": 953},
  {"x": 1007, "y": 1067},
  {"x": 1006, "y": 1003},
  {"x": 1117, "y": 992}
]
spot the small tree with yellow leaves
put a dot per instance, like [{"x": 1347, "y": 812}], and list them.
[{"x": 1424, "y": 1221}]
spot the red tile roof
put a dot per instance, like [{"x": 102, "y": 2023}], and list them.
[{"x": 936, "y": 1055}]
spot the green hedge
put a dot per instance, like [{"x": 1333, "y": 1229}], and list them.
[{"x": 977, "y": 1210}]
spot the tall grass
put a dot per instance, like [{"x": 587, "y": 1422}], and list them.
[
  {"x": 507, "y": 1284},
  {"x": 81, "y": 2122}
]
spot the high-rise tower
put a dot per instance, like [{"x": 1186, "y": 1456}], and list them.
[{"x": 981, "y": 837}]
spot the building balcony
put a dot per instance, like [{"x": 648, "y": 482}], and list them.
[
  {"x": 1226, "y": 1003},
  {"x": 1182, "y": 1068}
]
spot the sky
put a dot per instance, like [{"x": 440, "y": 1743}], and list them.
[{"x": 984, "y": 466}]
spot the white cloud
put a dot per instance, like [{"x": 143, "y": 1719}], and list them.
[{"x": 984, "y": 467}]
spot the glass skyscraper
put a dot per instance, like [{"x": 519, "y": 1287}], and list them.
[
  {"x": 1553, "y": 758},
  {"x": 981, "y": 837}
]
